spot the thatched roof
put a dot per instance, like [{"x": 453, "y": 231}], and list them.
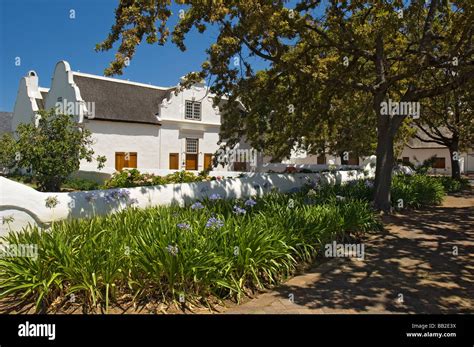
[
  {"x": 122, "y": 101},
  {"x": 417, "y": 143}
]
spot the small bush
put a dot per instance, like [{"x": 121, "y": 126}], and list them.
[
  {"x": 417, "y": 190},
  {"x": 183, "y": 177},
  {"x": 81, "y": 184},
  {"x": 452, "y": 185},
  {"x": 132, "y": 178}
]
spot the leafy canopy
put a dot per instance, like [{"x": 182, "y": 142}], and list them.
[{"x": 53, "y": 148}]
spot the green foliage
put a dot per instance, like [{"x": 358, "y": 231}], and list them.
[
  {"x": 425, "y": 166},
  {"x": 341, "y": 58},
  {"x": 183, "y": 177},
  {"x": 417, "y": 190},
  {"x": 8, "y": 150},
  {"x": 53, "y": 149},
  {"x": 133, "y": 178},
  {"x": 452, "y": 185},
  {"x": 81, "y": 184},
  {"x": 163, "y": 252}
]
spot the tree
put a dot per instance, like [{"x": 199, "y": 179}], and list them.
[
  {"x": 7, "y": 151},
  {"x": 383, "y": 49},
  {"x": 53, "y": 149},
  {"x": 449, "y": 121}
]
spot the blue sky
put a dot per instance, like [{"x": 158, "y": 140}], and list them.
[{"x": 41, "y": 33}]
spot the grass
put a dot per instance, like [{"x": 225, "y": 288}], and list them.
[{"x": 164, "y": 253}]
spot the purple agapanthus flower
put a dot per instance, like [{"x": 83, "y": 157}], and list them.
[
  {"x": 369, "y": 184},
  {"x": 214, "y": 223},
  {"x": 250, "y": 202},
  {"x": 239, "y": 210},
  {"x": 173, "y": 250},
  {"x": 183, "y": 226},
  {"x": 215, "y": 196},
  {"x": 115, "y": 195},
  {"x": 197, "y": 206},
  {"x": 124, "y": 194}
]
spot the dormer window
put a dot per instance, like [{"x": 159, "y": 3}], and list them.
[{"x": 192, "y": 110}]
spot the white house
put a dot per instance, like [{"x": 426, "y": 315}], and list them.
[
  {"x": 133, "y": 124},
  {"x": 416, "y": 152}
]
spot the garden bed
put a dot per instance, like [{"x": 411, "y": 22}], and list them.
[{"x": 198, "y": 255}]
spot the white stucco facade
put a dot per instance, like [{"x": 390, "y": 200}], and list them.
[
  {"x": 111, "y": 137},
  {"x": 26, "y": 103},
  {"x": 152, "y": 143}
]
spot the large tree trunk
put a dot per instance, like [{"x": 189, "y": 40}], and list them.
[
  {"x": 387, "y": 127},
  {"x": 383, "y": 171},
  {"x": 454, "y": 154}
]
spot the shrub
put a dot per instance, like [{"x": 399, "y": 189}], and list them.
[
  {"x": 417, "y": 190},
  {"x": 8, "y": 150},
  {"x": 183, "y": 177},
  {"x": 424, "y": 167},
  {"x": 81, "y": 184},
  {"x": 452, "y": 185},
  {"x": 53, "y": 149},
  {"x": 132, "y": 178}
]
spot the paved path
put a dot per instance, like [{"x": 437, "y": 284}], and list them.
[{"x": 413, "y": 260}]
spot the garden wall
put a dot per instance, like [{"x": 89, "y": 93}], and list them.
[{"x": 20, "y": 204}]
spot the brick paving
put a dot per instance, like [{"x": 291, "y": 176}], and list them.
[{"x": 411, "y": 267}]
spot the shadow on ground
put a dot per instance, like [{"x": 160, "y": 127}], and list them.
[{"x": 422, "y": 263}]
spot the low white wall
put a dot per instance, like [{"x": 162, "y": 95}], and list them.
[{"x": 20, "y": 204}]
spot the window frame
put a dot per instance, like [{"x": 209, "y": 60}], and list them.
[
  {"x": 195, "y": 109},
  {"x": 190, "y": 140}
]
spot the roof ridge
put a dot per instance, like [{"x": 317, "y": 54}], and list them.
[{"x": 110, "y": 79}]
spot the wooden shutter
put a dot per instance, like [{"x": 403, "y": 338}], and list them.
[
  {"x": 119, "y": 160},
  {"x": 439, "y": 163},
  {"x": 321, "y": 160},
  {"x": 125, "y": 159},
  {"x": 208, "y": 161},
  {"x": 132, "y": 160},
  {"x": 191, "y": 161},
  {"x": 174, "y": 161}
]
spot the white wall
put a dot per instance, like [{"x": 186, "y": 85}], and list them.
[
  {"x": 173, "y": 109},
  {"x": 62, "y": 85},
  {"x": 25, "y": 104},
  {"x": 26, "y": 205},
  {"x": 419, "y": 155},
  {"x": 175, "y": 128},
  {"x": 110, "y": 137}
]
